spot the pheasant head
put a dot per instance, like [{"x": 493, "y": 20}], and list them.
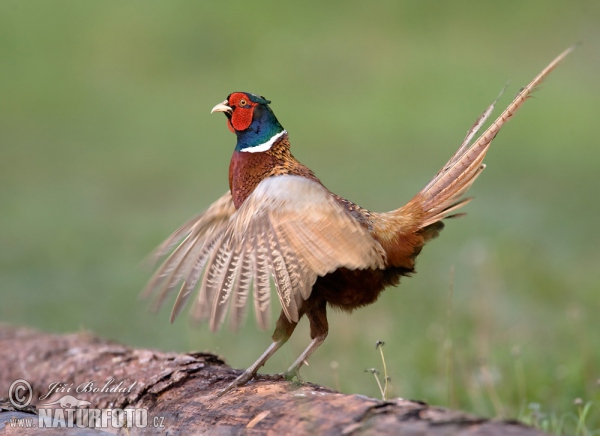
[
  {"x": 252, "y": 120},
  {"x": 262, "y": 149}
]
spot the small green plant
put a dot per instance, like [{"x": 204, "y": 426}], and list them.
[
  {"x": 567, "y": 424},
  {"x": 583, "y": 412},
  {"x": 383, "y": 389}
]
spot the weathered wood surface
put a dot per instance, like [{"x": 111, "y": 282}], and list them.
[{"x": 176, "y": 389}]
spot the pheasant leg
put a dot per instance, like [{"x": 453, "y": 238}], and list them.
[
  {"x": 283, "y": 331},
  {"x": 319, "y": 327},
  {"x": 247, "y": 375}
]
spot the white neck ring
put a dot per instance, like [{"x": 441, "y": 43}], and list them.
[{"x": 265, "y": 145}]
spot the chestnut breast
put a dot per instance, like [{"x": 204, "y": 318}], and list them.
[{"x": 247, "y": 170}]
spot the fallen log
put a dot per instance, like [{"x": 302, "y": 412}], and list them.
[{"x": 153, "y": 391}]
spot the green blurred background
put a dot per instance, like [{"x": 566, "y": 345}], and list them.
[{"x": 107, "y": 146}]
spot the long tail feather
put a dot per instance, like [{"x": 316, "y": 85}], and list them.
[{"x": 441, "y": 195}]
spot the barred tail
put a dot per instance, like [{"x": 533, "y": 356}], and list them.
[{"x": 443, "y": 195}]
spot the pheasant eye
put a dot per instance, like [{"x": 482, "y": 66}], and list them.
[{"x": 243, "y": 102}]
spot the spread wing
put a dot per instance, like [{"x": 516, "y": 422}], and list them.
[
  {"x": 196, "y": 235},
  {"x": 290, "y": 229}
]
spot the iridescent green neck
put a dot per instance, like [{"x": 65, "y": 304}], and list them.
[{"x": 264, "y": 131}]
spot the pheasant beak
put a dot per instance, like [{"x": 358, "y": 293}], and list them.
[{"x": 222, "y": 107}]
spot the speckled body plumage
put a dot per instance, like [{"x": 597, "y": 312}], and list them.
[{"x": 278, "y": 221}]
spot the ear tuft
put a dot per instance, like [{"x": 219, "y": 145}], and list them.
[{"x": 258, "y": 99}]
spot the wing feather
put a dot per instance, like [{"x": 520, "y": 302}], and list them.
[
  {"x": 194, "y": 274},
  {"x": 300, "y": 273},
  {"x": 203, "y": 307},
  {"x": 262, "y": 286},
  {"x": 241, "y": 289},
  {"x": 223, "y": 287},
  {"x": 281, "y": 275},
  {"x": 189, "y": 236},
  {"x": 301, "y": 233},
  {"x": 290, "y": 229},
  {"x": 176, "y": 268}
]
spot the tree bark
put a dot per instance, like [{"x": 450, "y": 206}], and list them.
[{"x": 177, "y": 392}]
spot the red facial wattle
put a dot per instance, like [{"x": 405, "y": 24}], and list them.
[
  {"x": 243, "y": 107},
  {"x": 241, "y": 118}
]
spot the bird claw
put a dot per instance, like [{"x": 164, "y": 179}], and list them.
[{"x": 244, "y": 378}]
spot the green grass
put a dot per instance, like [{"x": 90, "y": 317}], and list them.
[
  {"x": 570, "y": 423},
  {"x": 107, "y": 146}
]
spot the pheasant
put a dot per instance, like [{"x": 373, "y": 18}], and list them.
[{"x": 279, "y": 222}]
